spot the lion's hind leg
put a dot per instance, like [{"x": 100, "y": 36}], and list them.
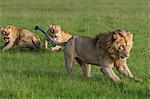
[
  {"x": 29, "y": 42},
  {"x": 25, "y": 45},
  {"x": 86, "y": 68}
]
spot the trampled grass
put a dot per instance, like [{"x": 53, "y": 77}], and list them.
[{"x": 42, "y": 74}]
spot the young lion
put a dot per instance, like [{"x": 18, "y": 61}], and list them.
[
  {"x": 106, "y": 50},
  {"x": 57, "y": 33},
  {"x": 22, "y": 38}
]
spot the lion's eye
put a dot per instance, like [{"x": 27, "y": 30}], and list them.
[{"x": 52, "y": 30}]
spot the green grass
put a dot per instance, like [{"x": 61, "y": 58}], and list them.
[{"x": 42, "y": 74}]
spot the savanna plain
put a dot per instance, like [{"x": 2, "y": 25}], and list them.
[{"x": 42, "y": 74}]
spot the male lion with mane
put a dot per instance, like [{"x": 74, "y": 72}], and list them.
[{"x": 107, "y": 49}]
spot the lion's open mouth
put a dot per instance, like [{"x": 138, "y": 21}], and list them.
[
  {"x": 124, "y": 56},
  {"x": 5, "y": 36},
  {"x": 6, "y": 39},
  {"x": 4, "y": 33}
]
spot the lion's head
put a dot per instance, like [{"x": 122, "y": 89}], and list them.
[
  {"x": 7, "y": 30},
  {"x": 116, "y": 44},
  {"x": 54, "y": 30}
]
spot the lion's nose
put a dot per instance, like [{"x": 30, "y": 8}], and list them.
[{"x": 124, "y": 55}]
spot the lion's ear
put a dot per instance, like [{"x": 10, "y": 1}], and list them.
[
  {"x": 120, "y": 32},
  {"x": 115, "y": 36},
  {"x": 1, "y": 28},
  {"x": 57, "y": 28},
  {"x": 50, "y": 26}
]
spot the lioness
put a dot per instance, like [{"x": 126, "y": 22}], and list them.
[
  {"x": 22, "y": 38},
  {"x": 106, "y": 50},
  {"x": 57, "y": 33}
]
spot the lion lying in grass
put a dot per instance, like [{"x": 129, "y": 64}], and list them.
[
  {"x": 22, "y": 38},
  {"x": 106, "y": 50}
]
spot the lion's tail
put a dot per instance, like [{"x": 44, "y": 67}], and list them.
[
  {"x": 56, "y": 42},
  {"x": 50, "y": 38},
  {"x": 36, "y": 44}
]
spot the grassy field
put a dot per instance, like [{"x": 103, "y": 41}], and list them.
[{"x": 42, "y": 74}]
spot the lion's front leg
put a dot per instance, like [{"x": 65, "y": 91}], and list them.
[
  {"x": 8, "y": 46},
  {"x": 56, "y": 48},
  {"x": 122, "y": 67},
  {"x": 46, "y": 44},
  {"x": 106, "y": 67},
  {"x": 107, "y": 70}
]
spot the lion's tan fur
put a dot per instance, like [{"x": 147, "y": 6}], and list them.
[
  {"x": 61, "y": 36},
  {"x": 22, "y": 38},
  {"x": 106, "y": 50}
]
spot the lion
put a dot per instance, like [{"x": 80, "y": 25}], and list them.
[
  {"x": 108, "y": 49},
  {"x": 57, "y": 33},
  {"x": 22, "y": 38}
]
